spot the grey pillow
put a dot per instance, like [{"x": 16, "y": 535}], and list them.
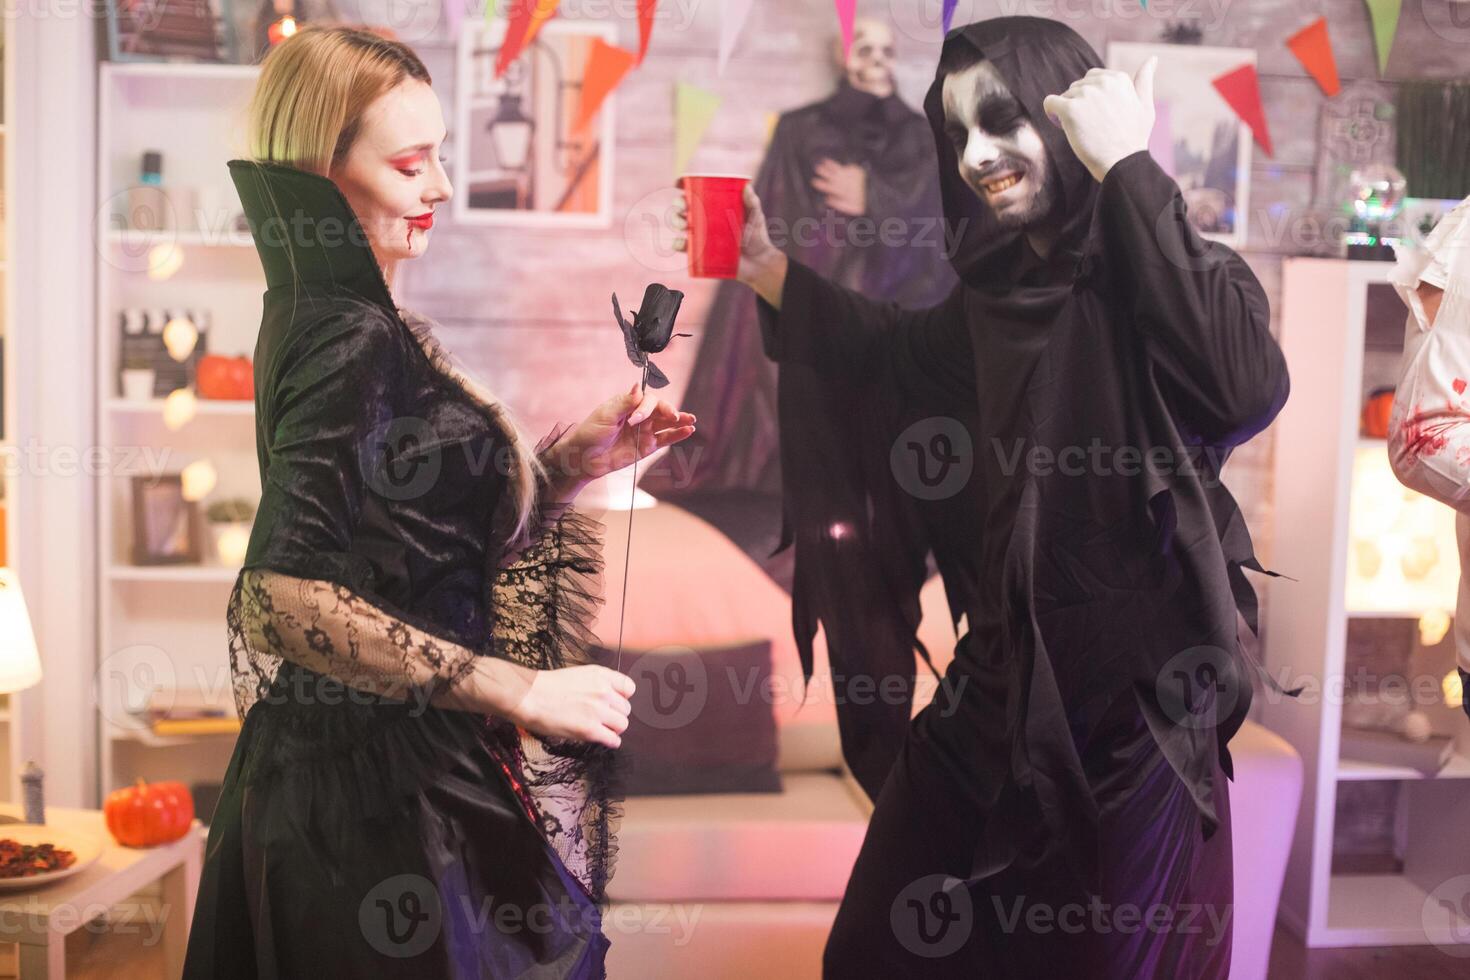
[{"x": 702, "y": 719}]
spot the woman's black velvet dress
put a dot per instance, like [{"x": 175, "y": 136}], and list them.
[
  {"x": 1051, "y": 436},
  {"x": 367, "y": 836}
]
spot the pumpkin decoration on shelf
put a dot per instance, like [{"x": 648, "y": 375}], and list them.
[
  {"x": 149, "y": 814},
  {"x": 1376, "y": 410},
  {"x": 224, "y": 378}
]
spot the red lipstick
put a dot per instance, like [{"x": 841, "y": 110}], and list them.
[{"x": 423, "y": 221}]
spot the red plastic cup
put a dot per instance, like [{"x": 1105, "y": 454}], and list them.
[{"x": 716, "y": 221}]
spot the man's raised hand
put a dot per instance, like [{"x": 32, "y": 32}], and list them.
[{"x": 1106, "y": 115}]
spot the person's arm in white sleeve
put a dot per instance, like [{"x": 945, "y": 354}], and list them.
[{"x": 1429, "y": 429}]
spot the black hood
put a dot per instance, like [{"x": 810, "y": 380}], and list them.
[{"x": 1036, "y": 58}]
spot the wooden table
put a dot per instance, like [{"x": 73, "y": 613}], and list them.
[{"x": 40, "y": 919}]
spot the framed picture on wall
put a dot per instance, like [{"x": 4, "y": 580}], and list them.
[
  {"x": 1198, "y": 139},
  {"x": 516, "y": 159}
]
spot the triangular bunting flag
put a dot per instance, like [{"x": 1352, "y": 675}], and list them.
[
  {"x": 949, "y": 6},
  {"x": 606, "y": 66},
  {"x": 645, "y": 26},
  {"x": 846, "y": 11},
  {"x": 1242, "y": 90},
  {"x": 1313, "y": 49},
  {"x": 732, "y": 20},
  {"x": 490, "y": 6},
  {"x": 545, "y": 10},
  {"x": 517, "y": 20},
  {"x": 693, "y": 109},
  {"x": 1385, "y": 17}
]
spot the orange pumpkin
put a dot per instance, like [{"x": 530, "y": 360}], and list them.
[
  {"x": 242, "y": 378},
  {"x": 148, "y": 814},
  {"x": 224, "y": 378},
  {"x": 1376, "y": 410}
]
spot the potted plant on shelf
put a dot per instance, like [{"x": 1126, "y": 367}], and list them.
[{"x": 229, "y": 529}]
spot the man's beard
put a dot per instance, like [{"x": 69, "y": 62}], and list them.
[{"x": 1036, "y": 211}]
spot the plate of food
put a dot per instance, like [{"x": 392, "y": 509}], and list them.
[{"x": 32, "y": 855}]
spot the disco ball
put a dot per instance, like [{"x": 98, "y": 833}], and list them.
[{"x": 1378, "y": 192}]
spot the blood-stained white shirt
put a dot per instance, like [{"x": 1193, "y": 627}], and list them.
[{"x": 1429, "y": 428}]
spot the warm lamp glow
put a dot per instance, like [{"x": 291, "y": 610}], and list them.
[
  {"x": 232, "y": 543},
  {"x": 179, "y": 336},
  {"x": 1433, "y": 625},
  {"x": 164, "y": 259},
  {"x": 622, "y": 495},
  {"x": 1402, "y": 550},
  {"x": 1452, "y": 689},
  {"x": 20, "y": 662},
  {"x": 198, "y": 478},
  {"x": 281, "y": 29},
  {"x": 179, "y": 408},
  {"x": 1378, "y": 498}
]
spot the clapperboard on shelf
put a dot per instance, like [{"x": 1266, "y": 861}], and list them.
[{"x": 140, "y": 345}]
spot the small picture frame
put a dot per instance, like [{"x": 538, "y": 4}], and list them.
[{"x": 167, "y": 529}]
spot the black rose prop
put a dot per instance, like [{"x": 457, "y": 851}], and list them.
[{"x": 651, "y": 330}]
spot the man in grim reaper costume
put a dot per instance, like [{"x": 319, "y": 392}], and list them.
[
  {"x": 1053, "y": 433},
  {"x": 840, "y": 174}
]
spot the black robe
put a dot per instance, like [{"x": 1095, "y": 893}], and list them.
[
  {"x": 1085, "y": 581},
  {"x": 729, "y": 472}
]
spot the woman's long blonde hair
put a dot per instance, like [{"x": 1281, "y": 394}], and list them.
[{"x": 306, "y": 111}]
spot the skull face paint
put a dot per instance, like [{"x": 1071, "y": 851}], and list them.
[{"x": 1002, "y": 157}]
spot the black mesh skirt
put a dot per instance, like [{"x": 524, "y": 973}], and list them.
[{"x": 379, "y": 840}]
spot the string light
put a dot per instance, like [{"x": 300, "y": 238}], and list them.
[
  {"x": 179, "y": 408},
  {"x": 281, "y": 29}
]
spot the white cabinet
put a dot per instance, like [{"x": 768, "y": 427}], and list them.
[{"x": 1335, "y": 318}]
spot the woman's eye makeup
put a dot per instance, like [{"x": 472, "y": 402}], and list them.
[{"x": 406, "y": 167}]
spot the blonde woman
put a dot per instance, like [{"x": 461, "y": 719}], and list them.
[{"x": 423, "y": 783}]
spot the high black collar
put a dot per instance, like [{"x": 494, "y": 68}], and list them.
[
  {"x": 852, "y": 105},
  {"x": 305, "y": 231}
]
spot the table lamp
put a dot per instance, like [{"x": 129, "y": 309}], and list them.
[{"x": 20, "y": 662}]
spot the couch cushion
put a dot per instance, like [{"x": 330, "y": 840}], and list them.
[
  {"x": 701, "y": 719},
  {"x": 689, "y": 584},
  {"x": 799, "y": 844}
]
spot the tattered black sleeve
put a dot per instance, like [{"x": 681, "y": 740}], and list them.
[
  {"x": 862, "y": 538},
  {"x": 1203, "y": 316}
]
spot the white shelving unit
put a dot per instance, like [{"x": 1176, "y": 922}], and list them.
[
  {"x": 162, "y": 627},
  {"x": 1323, "y": 333}
]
